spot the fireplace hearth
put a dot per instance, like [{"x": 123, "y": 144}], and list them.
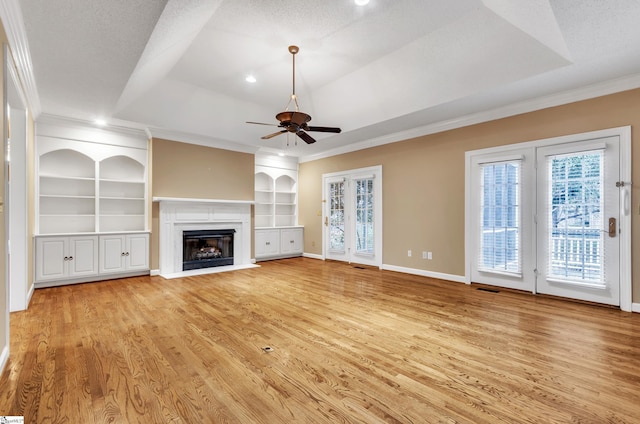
[{"x": 207, "y": 248}]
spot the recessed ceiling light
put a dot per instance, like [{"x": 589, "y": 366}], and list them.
[
  {"x": 100, "y": 122},
  {"x": 361, "y": 2},
  {"x": 250, "y": 78},
  {"x": 280, "y": 154}
]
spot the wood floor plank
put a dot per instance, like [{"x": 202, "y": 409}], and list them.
[{"x": 348, "y": 346}]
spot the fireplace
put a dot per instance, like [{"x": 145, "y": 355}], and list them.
[
  {"x": 182, "y": 215},
  {"x": 207, "y": 248}
]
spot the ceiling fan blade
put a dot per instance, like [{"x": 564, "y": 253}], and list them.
[
  {"x": 306, "y": 137},
  {"x": 261, "y": 123},
  {"x": 266, "y": 137},
  {"x": 324, "y": 129}
]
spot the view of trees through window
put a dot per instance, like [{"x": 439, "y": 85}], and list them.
[
  {"x": 364, "y": 216},
  {"x": 336, "y": 216},
  {"x": 575, "y": 217}
]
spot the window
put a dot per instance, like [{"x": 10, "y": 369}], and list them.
[
  {"x": 336, "y": 216},
  {"x": 364, "y": 216},
  {"x": 500, "y": 217},
  {"x": 575, "y": 219}
]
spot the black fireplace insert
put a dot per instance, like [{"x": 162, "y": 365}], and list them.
[{"x": 207, "y": 248}]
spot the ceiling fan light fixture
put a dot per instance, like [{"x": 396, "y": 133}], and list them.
[{"x": 251, "y": 79}]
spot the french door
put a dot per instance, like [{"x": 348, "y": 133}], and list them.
[
  {"x": 546, "y": 217},
  {"x": 578, "y": 216},
  {"x": 352, "y": 216}
]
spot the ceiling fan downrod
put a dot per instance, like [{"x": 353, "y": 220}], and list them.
[{"x": 293, "y": 50}]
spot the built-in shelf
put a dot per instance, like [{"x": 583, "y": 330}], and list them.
[
  {"x": 89, "y": 188},
  {"x": 91, "y": 203},
  {"x": 275, "y": 195}
]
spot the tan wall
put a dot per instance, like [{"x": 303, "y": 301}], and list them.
[
  {"x": 423, "y": 180},
  {"x": 197, "y": 172}
]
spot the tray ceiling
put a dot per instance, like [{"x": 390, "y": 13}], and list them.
[{"x": 382, "y": 72}]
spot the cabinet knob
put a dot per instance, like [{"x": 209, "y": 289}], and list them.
[
  {"x": 66, "y": 258},
  {"x": 70, "y": 258},
  {"x": 122, "y": 254},
  {"x": 290, "y": 241},
  {"x": 268, "y": 243},
  {"x": 127, "y": 254}
]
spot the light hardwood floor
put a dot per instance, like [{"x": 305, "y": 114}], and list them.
[{"x": 349, "y": 345}]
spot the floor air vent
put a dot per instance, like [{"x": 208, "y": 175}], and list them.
[{"x": 488, "y": 290}]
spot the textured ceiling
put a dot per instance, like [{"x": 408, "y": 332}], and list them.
[{"x": 381, "y": 72}]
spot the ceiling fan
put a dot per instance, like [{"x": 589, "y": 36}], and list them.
[{"x": 295, "y": 121}]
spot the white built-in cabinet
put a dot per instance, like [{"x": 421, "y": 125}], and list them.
[
  {"x": 91, "y": 190},
  {"x": 70, "y": 257},
  {"x": 124, "y": 253},
  {"x": 277, "y": 234},
  {"x": 291, "y": 241},
  {"x": 267, "y": 243}
]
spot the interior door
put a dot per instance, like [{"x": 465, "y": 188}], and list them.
[
  {"x": 353, "y": 216},
  {"x": 578, "y": 217}
]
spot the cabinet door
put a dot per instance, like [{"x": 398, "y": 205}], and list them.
[
  {"x": 291, "y": 240},
  {"x": 267, "y": 243},
  {"x": 83, "y": 254},
  {"x": 137, "y": 252},
  {"x": 112, "y": 253},
  {"x": 51, "y": 258}
]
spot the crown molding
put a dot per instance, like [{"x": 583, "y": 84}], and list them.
[
  {"x": 71, "y": 122},
  {"x": 584, "y": 93},
  {"x": 11, "y": 16}
]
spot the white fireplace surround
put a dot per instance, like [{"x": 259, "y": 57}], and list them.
[{"x": 182, "y": 214}]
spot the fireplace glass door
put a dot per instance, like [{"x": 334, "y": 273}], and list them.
[{"x": 207, "y": 248}]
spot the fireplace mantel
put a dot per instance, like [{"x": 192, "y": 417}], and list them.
[
  {"x": 192, "y": 200},
  {"x": 186, "y": 214}
]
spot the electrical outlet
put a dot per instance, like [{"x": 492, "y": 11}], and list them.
[
  {"x": 409, "y": 253},
  {"x": 424, "y": 255},
  {"x": 429, "y": 255}
]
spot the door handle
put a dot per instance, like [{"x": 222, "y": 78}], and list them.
[
  {"x": 612, "y": 227},
  {"x": 326, "y": 221}
]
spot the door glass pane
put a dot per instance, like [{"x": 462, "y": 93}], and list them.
[
  {"x": 336, "y": 216},
  {"x": 364, "y": 216},
  {"x": 575, "y": 220},
  {"x": 500, "y": 217}
]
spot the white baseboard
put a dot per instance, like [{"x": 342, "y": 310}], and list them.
[
  {"x": 424, "y": 273},
  {"x": 313, "y": 256},
  {"x": 4, "y": 357},
  {"x": 154, "y": 272},
  {"x": 635, "y": 307},
  {"x": 30, "y": 294}
]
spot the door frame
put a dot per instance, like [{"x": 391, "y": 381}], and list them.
[
  {"x": 351, "y": 175},
  {"x": 624, "y": 134},
  {"x": 16, "y": 191}
]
